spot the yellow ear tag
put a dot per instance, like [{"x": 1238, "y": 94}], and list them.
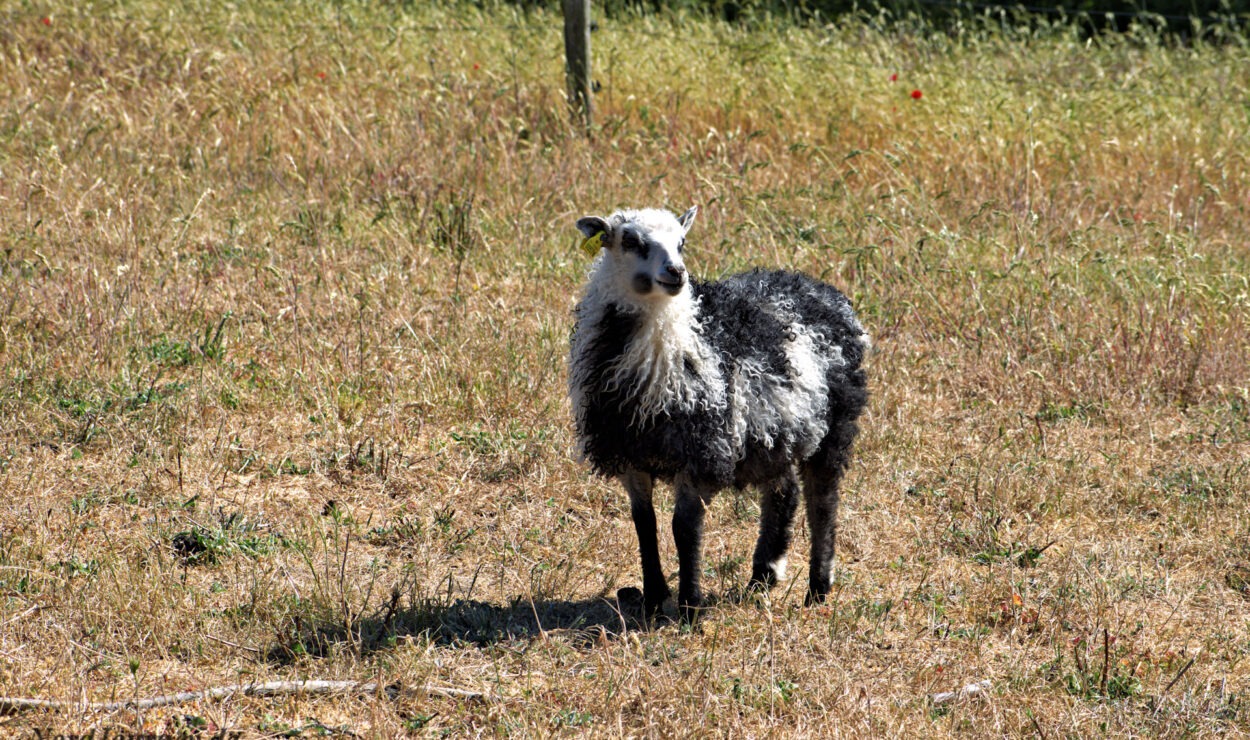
[{"x": 593, "y": 244}]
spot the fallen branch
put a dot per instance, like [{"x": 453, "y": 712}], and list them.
[
  {"x": 971, "y": 690},
  {"x": 10, "y": 705}
]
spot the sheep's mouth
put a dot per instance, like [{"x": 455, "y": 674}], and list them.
[{"x": 672, "y": 288}]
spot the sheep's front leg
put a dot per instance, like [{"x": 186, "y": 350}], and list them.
[
  {"x": 777, "y": 507},
  {"x": 640, "y": 485},
  {"x": 688, "y": 512}
]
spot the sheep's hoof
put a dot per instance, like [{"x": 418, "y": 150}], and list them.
[
  {"x": 632, "y": 599},
  {"x": 814, "y": 598},
  {"x": 761, "y": 583},
  {"x": 690, "y": 612},
  {"x": 755, "y": 594}
]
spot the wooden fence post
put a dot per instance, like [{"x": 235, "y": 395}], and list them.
[{"x": 577, "y": 58}]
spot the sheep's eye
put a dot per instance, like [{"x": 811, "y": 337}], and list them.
[
  {"x": 631, "y": 242},
  {"x": 681, "y": 246}
]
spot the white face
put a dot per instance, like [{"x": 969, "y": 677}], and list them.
[
  {"x": 643, "y": 251},
  {"x": 648, "y": 254}
]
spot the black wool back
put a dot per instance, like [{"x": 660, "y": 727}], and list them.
[{"x": 750, "y": 322}]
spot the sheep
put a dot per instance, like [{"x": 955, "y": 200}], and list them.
[{"x": 753, "y": 380}]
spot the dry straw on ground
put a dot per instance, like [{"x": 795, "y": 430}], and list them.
[{"x": 286, "y": 293}]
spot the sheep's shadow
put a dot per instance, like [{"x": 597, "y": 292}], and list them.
[
  {"x": 467, "y": 622},
  {"x": 470, "y": 623}
]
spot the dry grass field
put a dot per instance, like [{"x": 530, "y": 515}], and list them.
[{"x": 285, "y": 300}]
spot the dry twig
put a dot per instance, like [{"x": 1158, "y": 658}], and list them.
[
  {"x": 1166, "y": 689},
  {"x": 33, "y": 610},
  {"x": 11, "y": 705}
]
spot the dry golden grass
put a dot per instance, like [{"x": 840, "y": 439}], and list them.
[{"x": 286, "y": 294}]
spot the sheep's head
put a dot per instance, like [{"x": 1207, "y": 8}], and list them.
[{"x": 643, "y": 250}]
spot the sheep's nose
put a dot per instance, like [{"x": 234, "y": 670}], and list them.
[{"x": 676, "y": 272}]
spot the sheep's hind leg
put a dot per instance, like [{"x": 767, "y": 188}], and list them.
[
  {"x": 655, "y": 591},
  {"x": 778, "y": 504},
  {"x": 688, "y": 513},
  {"x": 820, "y": 488}
]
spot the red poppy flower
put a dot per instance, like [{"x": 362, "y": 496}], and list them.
[
  {"x": 916, "y": 94},
  {"x": 46, "y": 21},
  {"x": 894, "y": 77},
  {"x": 321, "y": 75},
  {"x": 476, "y": 66}
]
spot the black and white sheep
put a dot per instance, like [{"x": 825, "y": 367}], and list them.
[{"x": 751, "y": 380}]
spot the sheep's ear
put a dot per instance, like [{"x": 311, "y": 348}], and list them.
[
  {"x": 596, "y": 230},
  {"x": 591, "y": 225},
  {"x": 687, "y": 219}
]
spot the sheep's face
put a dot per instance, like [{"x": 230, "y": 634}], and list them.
[{"x": 643, "y": 250}]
